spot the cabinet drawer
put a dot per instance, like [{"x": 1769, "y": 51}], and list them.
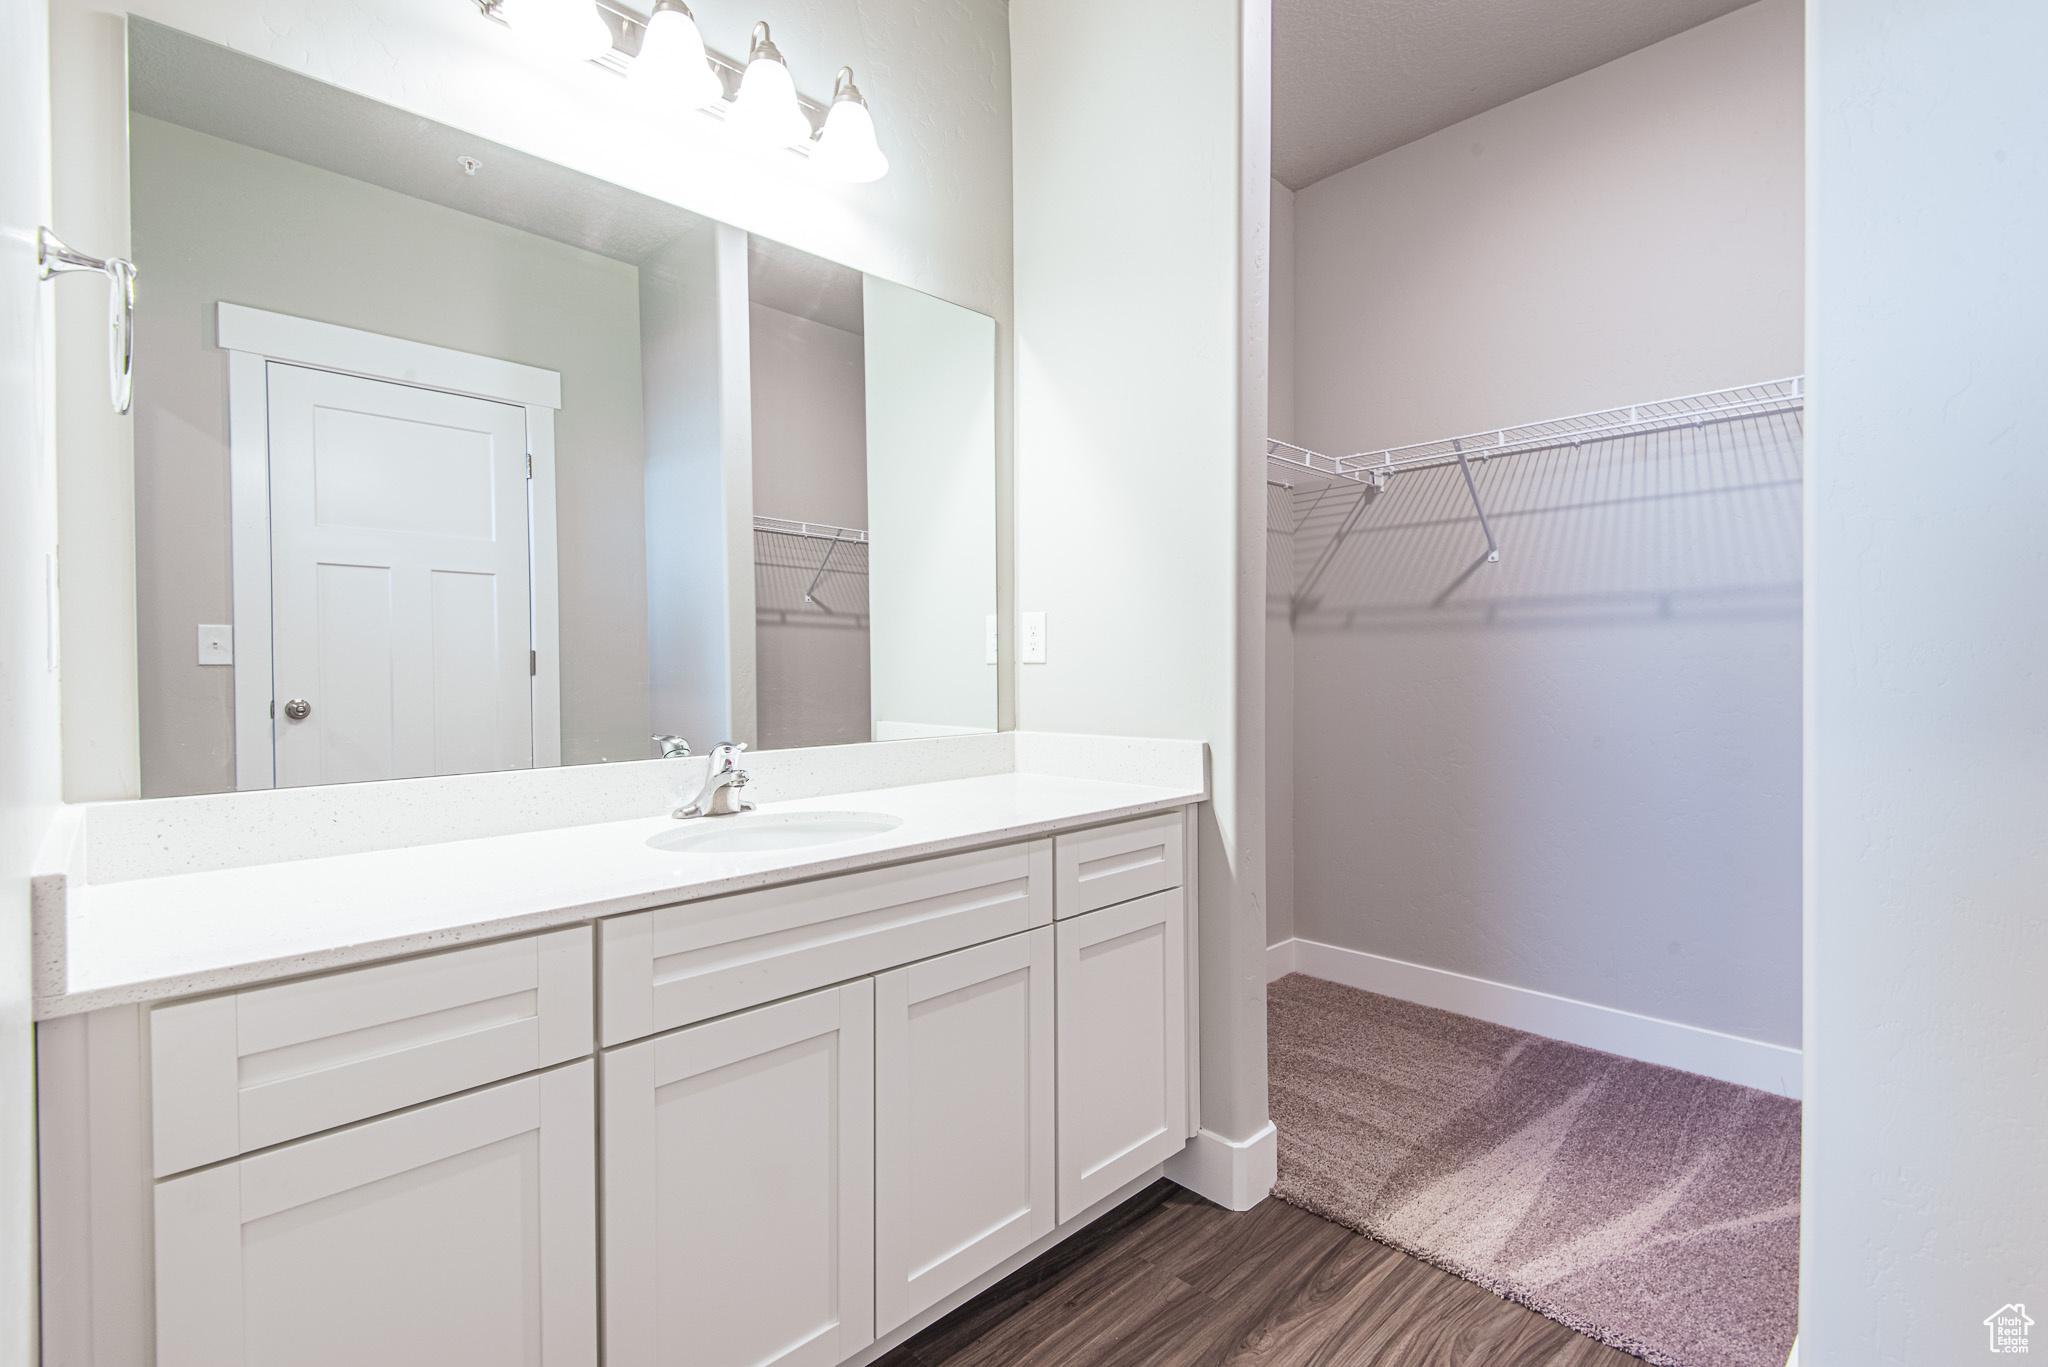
[
  {"x": 687, "y": 963},
  {"x": 244, "y": 1071},
  {"x": 1112, "y": 864}
]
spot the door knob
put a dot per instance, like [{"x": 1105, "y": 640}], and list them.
[{"x": 298, "y": 709}]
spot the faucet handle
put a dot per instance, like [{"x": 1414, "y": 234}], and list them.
[
  {"x": 672, "y": 747},
  {"x": 725, "y": 750}
]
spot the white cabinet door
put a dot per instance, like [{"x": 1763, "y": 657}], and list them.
[
  {"x": 1122, "y": 983},
  {"x": 739, "y": 1188},
  {"x": 963, "y": 1118},
  {"x": 464, "y": 1231}
]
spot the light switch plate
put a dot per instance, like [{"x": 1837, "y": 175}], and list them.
[
  {"x": 989, "y": 640},
  {"x": 216, "y": 644},
  {"x": 1032, "y": 651}
]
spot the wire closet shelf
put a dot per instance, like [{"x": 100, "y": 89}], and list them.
[
  {"x": 810, "y": 572},
  {"x": 1322, "y": 509},
  {"x": 1692, "y": 410},
  {"x": 817, "y": 530}
]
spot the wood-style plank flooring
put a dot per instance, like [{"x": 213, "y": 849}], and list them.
[{"x": 1169, "y": 1280}]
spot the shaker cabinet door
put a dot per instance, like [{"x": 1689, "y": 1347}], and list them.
[
  {"x": 739, "y": 1188},
  {"x": 463, "y": 1231},
  {"x": 963, "y": 1118},
  {"x": 1122, "y": 984}
]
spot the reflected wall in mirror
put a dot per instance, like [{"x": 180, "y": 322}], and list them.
[{"x": 451, "y": 459}]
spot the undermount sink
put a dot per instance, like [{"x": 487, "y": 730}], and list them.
[{"x": 750, "y": 833}]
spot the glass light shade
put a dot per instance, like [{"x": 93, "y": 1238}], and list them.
[
  {"x": 572, "y": 28},
  {"x": 672, "y": 68},
  {"x": 766, "y": 110},
  {"x": 847, "y": 149}
]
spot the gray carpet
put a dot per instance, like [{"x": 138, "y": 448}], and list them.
[{"x": 1655, "y": 1210}]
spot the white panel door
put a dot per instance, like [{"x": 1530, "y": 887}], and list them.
[
  {"x": 399, "y": 580},
  {"x": 963, "y": 1118},
  {"x": 462, "y": 1232},
  {"x": 739, "y": 1188},
  {"x": 1122, "y": 984}
]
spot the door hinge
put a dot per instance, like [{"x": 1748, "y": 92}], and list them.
[
  {"x": 273, "y": 709},
  {"x": 529, "y": 465},
  {"x": 533, "y": 664}
]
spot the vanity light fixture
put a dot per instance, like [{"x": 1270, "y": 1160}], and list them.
[
  {"x": 846, "y": 147},
  {"x": 766, "y": 110},
  {"x": 670, "y": 68},
  {"x": 673, "y": 68},
  {"x": 573, "y": 28}
]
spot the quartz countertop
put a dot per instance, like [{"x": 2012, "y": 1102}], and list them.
[{"x": 153, "y": 938}]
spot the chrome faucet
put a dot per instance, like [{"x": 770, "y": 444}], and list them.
[
  {"x": 720, "y": 794},
  {"x": 673, "y": 747}
]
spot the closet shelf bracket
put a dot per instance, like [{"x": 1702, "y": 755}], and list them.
[{"x": 1492, "y": 546}]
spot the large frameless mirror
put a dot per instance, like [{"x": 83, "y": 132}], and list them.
[{"x": 451, "y": 459}]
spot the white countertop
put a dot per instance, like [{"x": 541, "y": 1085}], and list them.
[{"x": 147, "y": 939}]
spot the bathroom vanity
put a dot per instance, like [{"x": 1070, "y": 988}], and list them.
[{"x": 563, "y": 1095}]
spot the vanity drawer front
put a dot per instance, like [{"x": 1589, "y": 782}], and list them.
[
  {"x": 680, "y": 964},
  {"x": 1112, "y": 864},
  {"x": 255, "y": 1068}
]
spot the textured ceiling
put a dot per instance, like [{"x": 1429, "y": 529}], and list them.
[{"x": 1355, "y": 78}]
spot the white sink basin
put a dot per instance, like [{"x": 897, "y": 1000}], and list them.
[{"x": 750, "y": 833}]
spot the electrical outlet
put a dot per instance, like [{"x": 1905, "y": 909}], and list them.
[
  {"x": 989, "y": 640},
  {"x": 1032, "y": 650},
  {"x": 216, "y": 645}
]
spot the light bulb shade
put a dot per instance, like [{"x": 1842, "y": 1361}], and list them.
[
  {"x": 570, "y": 28},
  {"x": 672, "y": 68},
  {"x": 847, "y": 149},
  {"x": 766, "y": 109}
]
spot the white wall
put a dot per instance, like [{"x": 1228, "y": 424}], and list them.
[
  {"x": 1926, "y": 1193},
  {"x": 810, "y": 425},
  {"x": 696, "y": 384},
  {"x": 937, "y": 81},
  {"x": 1140, "y": 408},
  {"x": 213, "y": 221},
  {"x": 810, "y": 464},
  {"x": 931, "y": 509},
  {"x": 1280, "y": 585},
  {"x": 1280, "y": 343},
  {"x": 1628, "y": 234},
  {"x": 1580, "y": 775},
  {"x": 29, "y": 758},
  {"x": 88, "y": 142}
]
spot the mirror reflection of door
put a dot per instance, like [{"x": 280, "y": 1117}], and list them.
[{"x": 401, "y": 627}]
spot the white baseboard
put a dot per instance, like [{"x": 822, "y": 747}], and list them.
[
  {"x": 1731, "y": 1058},
  {"x": 1236, "y": 1174}
]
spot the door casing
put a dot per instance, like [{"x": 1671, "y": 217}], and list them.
[{"x": 253, "y": 338}]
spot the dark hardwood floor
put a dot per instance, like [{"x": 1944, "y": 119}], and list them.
[{"x": 1169, "y": 1280}]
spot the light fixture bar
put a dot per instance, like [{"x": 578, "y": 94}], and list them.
[{"x": 630, "y": 26}]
